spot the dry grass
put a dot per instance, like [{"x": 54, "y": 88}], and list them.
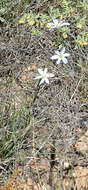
[{"x": 41, "y": 124}]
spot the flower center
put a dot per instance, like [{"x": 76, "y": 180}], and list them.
[
  {"x": 44, "y": 75},
  {"x": 61, "y": 56}
]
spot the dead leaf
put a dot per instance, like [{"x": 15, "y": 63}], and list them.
[
  {"x": 82, "y": 144},
  {"x": 81, "y": 177}
]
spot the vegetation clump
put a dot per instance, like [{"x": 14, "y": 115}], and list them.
[{"x": 42, "y": 115}]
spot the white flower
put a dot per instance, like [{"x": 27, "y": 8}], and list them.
[
  {"x": 44, "y": 75},
  {"x": 60, "y": 56},
  {"x": 57, "y": 24}
]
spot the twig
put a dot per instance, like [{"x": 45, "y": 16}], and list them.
[{"x": 75, "y": 90}]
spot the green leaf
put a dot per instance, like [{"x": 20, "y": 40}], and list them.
[
  {"x": 2, "y": 11},
  {"x": 2, "y": 19}
]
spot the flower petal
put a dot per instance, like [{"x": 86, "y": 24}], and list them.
[
  {"x": 60, "y": 23},
  {"x": 40, "y": 71},
  {"x": 65, "y": 24},
  {"x": 51, "y": 25},
  {"x": 38, "y": 77},
  {"x": 65, "y": 61},
  {"x": 57, "y": 52},
  {"x": 63, "y": 50},
  {"x": 45, "y": 71},
  {"x": 46, "y": 80},
  {"x": 51, "y": 75},
  {"x": 55, "y": 21},
  {"x": 52, "y": 29},
  {"x": 54, "y": 57},
  {"x": 66, "y": 54},
  {"x": 58, "y": 61},
  {"x": 42, "y": 81}
]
